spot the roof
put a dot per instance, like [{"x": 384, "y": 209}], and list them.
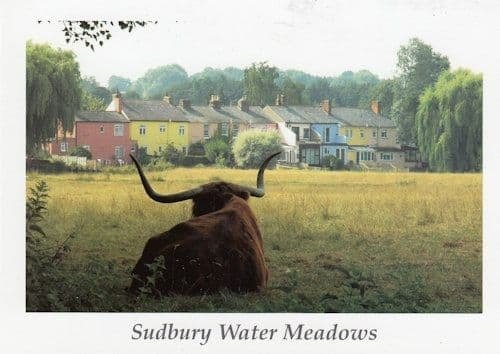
[
  {"x": 304, "y": 114},
  {"x": 207, "y": 114},
  {"x": 100, "y": 116},
  {"x": 361, "y": 118},
  {"x": 152, "y": 110}
]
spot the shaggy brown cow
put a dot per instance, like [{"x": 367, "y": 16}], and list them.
[{"x": 219, "y": 248}]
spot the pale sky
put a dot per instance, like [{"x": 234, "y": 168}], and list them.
[{"x": 319, "y": 37}]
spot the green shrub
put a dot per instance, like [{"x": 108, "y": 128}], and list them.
[
  {"x": 171, "y": 154},
  {"x": 218, "y": 149},
  {"x": 190, "y": 161},
  {"x": 81, "y": 151},
  {"x": 197, "y": 149},
  {"x": 251, "y": 147}
]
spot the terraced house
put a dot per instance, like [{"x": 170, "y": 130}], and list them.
[
  {"x": 372, "y": 138},
  {"x": 154, "y": 123},
  {"x": 229, "y": 121},
  {"x": 317, "y": 132}
]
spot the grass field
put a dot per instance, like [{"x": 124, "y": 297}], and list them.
[{"x": 334, "y": 241}]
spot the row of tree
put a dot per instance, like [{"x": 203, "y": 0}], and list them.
[{"x": 417, "y": 99}]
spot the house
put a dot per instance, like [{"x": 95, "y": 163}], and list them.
[
  {"x": 62, "y": 143},
  {"x": 317, "y": 132},
  {"x": 105, "y": 134},
  {"x": 372, "y": 138},
  {"x": 229, "y": 121},
  {"x": 153, "y": 123}
]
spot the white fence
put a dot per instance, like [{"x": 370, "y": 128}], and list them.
[{"x": 68, "y": 160}]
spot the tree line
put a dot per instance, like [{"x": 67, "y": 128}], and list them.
[{"x": 436, "y": 109}]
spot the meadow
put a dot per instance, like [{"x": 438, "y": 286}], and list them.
[{"x": 334, "y": 241}]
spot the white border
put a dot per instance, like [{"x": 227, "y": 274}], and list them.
[{"x": 83, "y": 333}]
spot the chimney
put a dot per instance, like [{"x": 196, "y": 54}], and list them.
[
  {"x": 184, "y": 103},
  {"x": 167, "y": 98},
  {"x": 243, "y": 104},
  {"x": 376, "y": 107},
  {"x": 118, "y": 102},
  {"x": 280, "y": 99},
  {"x": 326, "y": 106},
  {"x": 214, "y": 101}
]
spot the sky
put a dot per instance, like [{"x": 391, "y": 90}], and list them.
[{"x": 320, "y": 37}]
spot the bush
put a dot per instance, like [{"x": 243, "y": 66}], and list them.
[
  {"x": 251, "y": 147},
  {"x": 81, "y": 151},
  {"x": 190, "y": 161},
  {"x": 171, "y": 154},
  {"x": 197, "y": 149},
  {"x": 331, "y": 162},
  {"x": 218, "y": 149}
]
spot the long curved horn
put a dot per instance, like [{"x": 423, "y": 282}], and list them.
[
  {"x": 170, "y": 198},
  {"x": 259, "y": 191}
]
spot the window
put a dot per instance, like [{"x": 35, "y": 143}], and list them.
[
  {"x": 101, "y": 129},
  {"x": 64, "y": 146},
  {"x": 159, "y": 148},
  {"x": 362, "y": 134},
  {"x": 387, "y": 156},
  {"x": 162, "y": 128},
  {"x": 181, "y": 130},
  {"x": 118, "y": 130},
  {"x": 296, "y": 131},
  {"x": 374, "y": 133},
  {"x": 184, "y": 150},
  {"x": 348, "y": 133},
  {"x": 327, "y": 135},
  {"x": 307, "y": 134},
  {"x": 142, "y": 130},
  {"x": 365, "y": 156},
  {"x": 223, "y": 129},
  {"x": 326, "y": 151},
  {"x": 235, "y": 129},
  {"x": 383, "y": 134},
  {"x": 206, "y": 133},
  {"x": 119, "y": 152},
  {"x": 337, "y": 153}
]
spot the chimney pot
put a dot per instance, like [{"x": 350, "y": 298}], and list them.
[
  {"x": 214, "y": 101},
  {"x": 167, "y": 98},
  {"x": 243, "y": 104}
]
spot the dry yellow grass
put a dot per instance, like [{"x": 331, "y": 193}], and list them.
[{"x": 416, "y": 237}]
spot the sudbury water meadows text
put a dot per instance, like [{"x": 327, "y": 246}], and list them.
[{"x": 238, "y": 332}]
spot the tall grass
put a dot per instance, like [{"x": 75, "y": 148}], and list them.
[{"x": 334, "y": 241}]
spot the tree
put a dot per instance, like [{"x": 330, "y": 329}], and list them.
[
  {"x": 251, "y": 147},
  {"x": 53, "y": 93},
  {"x": 419, "y": 68},
  {"x": 293, "y": 91},
  {"x": 90, "y": 87},
  {"x": 95, "y": 32},
  {"x": 449, "y": 122},
  {"x": 259, "y": 83},
  {"x": 157, "y": 81},
  {"x": 318, "y": 91},
  {"x": 92, "y": 103},
  {"x": 383, "y": 92},
  {"x": 118, "y": 83},
  {"x": 218, "y": 150}
]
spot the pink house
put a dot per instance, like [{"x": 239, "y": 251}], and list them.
[{"x": 105, "y": 134}]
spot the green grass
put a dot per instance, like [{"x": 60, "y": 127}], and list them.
[{"x": 334, "y": 241}]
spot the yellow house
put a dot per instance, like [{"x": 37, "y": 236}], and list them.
[{"x": 154, "y": 124}]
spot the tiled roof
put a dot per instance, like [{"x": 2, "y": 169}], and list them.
[
  {"x": 207, "y": 114},
  {"x": 152, "y": 110},
  {"x": 100, "y": 116},
  {"x": 303, "y": 114},
  {"x": 361, "y": 118}
]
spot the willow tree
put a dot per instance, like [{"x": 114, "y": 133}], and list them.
[
  {"x": 449, "y": 122},
  {"x": 53, "y": 92}
]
